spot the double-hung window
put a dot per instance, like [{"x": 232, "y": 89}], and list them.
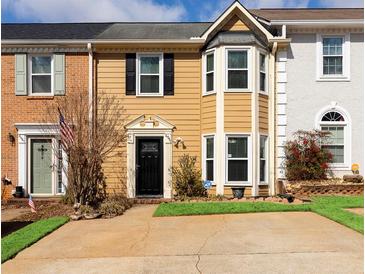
[
  {"x": 237, "y": 159},
  {"x": 336, "y": 143},
  {"x": 263, "y": 159},
  {"x": 209, "y": 158},
  {"x": 40, "y": 74},
  {"x": 149, "y": 74},
  {"x": 262, "y": 66},
  {"x": 209, "y": 72},
  {"x": 237, "y": 76},
  {"x": 332, "y": 55}
]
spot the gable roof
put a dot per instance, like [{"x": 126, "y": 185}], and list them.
[{"x": 239, "y": 10}]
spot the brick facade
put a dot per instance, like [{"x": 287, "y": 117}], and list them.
[{"x": 31, "y": 109}]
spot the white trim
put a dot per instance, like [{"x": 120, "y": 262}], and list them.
[
  {"x": 140, "y": 127},
  {"x": 204, "y": 156},
  {"x": 258, "y": 73},
  {"x": 27, "y": 131},
  {"x": 30, "y": 74},
  {"x": 345, "y": 62},
  {"x": 249, "y": 160},
  {"x": 160, "y": 73},
  {"x": 248, "y": 49},
  {"x": 219, "y": 120},
  {"x": 204, "y": 67},
  {"x": 266, "y": 158},
  {"x": 347, "y": 133}
]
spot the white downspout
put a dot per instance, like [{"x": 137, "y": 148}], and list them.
[{"x": 272, "y": 119}]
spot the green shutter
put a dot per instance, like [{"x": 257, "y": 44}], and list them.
[
  {"x": 59, "y": 73},
  {"x": 20, "y": 74}
]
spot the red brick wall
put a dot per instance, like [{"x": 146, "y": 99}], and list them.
[{"x": 27, "y": 109}]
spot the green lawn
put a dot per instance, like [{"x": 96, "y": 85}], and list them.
[
  {"x": 331, "y": 207},
  {"x": 28, "y": 235}
]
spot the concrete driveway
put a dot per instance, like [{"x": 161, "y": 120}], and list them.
[{"x": 293, "y": 242}]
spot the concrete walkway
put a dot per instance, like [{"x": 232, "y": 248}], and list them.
[{"x": 293, "y": 242}]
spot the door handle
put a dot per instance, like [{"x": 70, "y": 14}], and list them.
[{"x": 138, "y": 166}]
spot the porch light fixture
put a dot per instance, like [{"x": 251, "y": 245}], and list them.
[
  {"x": 178, "y": 141},
  {"x": 11, "y": 138}
]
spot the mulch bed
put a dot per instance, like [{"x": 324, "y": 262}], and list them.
[
  {"x": 9, "y": 227},
  {"x": 45, "y": 209}
]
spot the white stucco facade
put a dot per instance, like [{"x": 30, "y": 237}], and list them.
[{"x": 307, "y": 96}]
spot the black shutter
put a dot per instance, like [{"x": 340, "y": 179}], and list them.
[
  {"x": 130, "y": 74},
  {"x": 168, "y": 73}
]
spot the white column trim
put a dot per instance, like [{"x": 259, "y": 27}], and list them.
[
  {"x": 220, "y": 137},
  {"x": 166, "y": 135},
  {"x": 254, "y": 127}
]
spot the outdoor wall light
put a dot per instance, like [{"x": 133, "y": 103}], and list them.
[
  {"x": 11, "y": 138},
  {"x": 178, "y": 141}
]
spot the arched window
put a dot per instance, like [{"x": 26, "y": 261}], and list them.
[{"x": 337, "y": 125}]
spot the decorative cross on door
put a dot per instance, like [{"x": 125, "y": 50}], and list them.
[{"x": 42, "y": 150}]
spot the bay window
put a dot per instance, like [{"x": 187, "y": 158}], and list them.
[
  {"x": 237, "y": 159},
  {"x": 209, "y": 72},
  {"x": 209, "y": 158},
  {"x": 237, "y": 76},
  {"x": 262, "y": 67},
  {"x": 263, "y": 159}
]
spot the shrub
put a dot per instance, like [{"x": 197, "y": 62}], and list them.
[
  {"x": 114, "y": 205},
  {"x": 186, "y": 178},
  {"x": 304, "y": 157}
]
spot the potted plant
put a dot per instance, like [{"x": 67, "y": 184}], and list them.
[{"x": 238, "y": 192}]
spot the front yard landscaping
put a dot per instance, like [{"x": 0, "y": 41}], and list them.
[
  {"x": 332, "y": 207},
  {"x": 28, "y": 235}
]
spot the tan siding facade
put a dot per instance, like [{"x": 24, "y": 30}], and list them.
[
  {"x": 182, "y": 109},
  {"x": 263, "y": 114},
  {"x": 208, "y": 114},
  {"x": 237, "y": 112},
  {"x": 235, "y": 24}
]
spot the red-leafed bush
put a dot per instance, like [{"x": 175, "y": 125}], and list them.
[{"x": 304, "y": 157}]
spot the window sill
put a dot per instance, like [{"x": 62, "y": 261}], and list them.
[
  {"x": 338, "y": 167},
  {"x": 150, "y": 95},
  {"x": 333, "y": 79},
  {"x": 40, "y": 97},
  {"x": 238, "y": 91},
  {"x": 238, "y": 184},
  {"x": 209, "y": 93},
  {"x": 264, "y": 93}
]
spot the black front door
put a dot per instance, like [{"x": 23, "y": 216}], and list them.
[{"x": 149, "y": 166}]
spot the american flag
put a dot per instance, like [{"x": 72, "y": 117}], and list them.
[
  {"x": 67, "y": 135},
  {"x": 31, "y": 204}
]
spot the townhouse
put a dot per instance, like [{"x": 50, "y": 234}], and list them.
[{"x": 229, "y": 92}]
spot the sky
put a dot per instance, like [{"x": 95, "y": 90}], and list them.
[{"x": 142, "y": 10}]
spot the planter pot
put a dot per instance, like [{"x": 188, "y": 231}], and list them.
[
  {"x": 18, "y": 192},
  {"x": 238, "y": 192}
]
